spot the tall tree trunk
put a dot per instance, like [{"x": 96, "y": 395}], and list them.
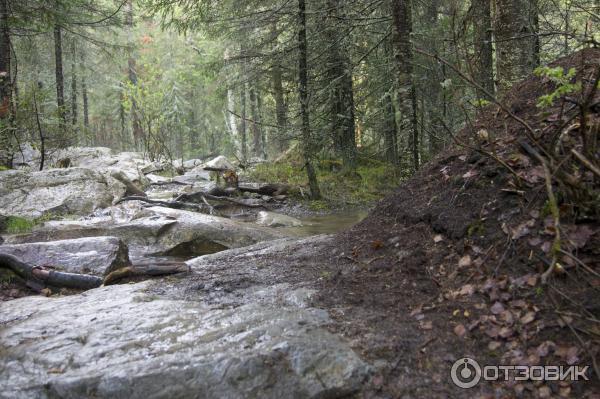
[
  {"x": 390, "y": 139},
  {"x": 232, "y": 123},
  {"x": 255, "y": 124},
  {"x": 280, "y": 107},
  {"x": 73, "y": 85},
  {"x": 60, "y": 81},
  {"x": 482, "y": 25},
  {"x": 402, "y": 19},
  {"x": 432, "y": 93},
  {"x": 515, "y": 41},
  {"x": 263, "y": 131},
  {"x": 307, "y": 146},
  {"x": 243, "y": 135},
  {"x": 5, "y": 73},
  {"x": 136, "y": 126},
  {"x": 341, "y": 96},
  {"x": 84, "y": 97}
]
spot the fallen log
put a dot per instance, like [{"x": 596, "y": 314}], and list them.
[
  {"x": 270, "y": 189},
  {"x": 168, "y": 204},
  {"x": 130, "y": 187},
  {"x": 201, "y": 195},
  {"x": 46, "y": 276},
  {"x": 146, "y": 269}
]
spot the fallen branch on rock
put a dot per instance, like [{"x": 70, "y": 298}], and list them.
[
  {"x": 41, "y": 275},
  {"x": 168, "y": 204},
  {"x": 130, "y": 187},
  {"x": 201, "y": 195},
  {"x": 146, "y": 269}
]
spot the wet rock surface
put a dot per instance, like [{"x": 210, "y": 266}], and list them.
[
  {"x": 239, "y": 326},
  {"x": 93, "y": 255},
  {"x": 155, "y": 230},
  {"x": 58, "y": 191}
]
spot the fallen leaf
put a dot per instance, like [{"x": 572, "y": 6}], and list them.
[
  {"x": 497, "y": 308},
  {"x": 437, "y": 238},
  {"x": 465, "y": 261},
  {"x": 460, "y": 330},
  {"x": 580, "y": 235},
  {"x": 376, "y": 244},
  {"x": 532, "y": 280},
  {"x": 466, "y": 290},
  {"x": 426, "y": 325},
  {"x": 528, "y": 318},
  {"x": 505, "y": 332},
  {"x": 469, "y": 174},
  {"x": 507, "y": 317},
  {"x": 493, "y": 345}
]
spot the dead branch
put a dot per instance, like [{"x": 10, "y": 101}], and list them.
[
  {"x": 146, "y": 269},
  {"x": 45, "y": 276}
]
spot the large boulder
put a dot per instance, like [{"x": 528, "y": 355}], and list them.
[
  {"x": 26, "y": 156},
  {"x": 146, "y": 341},
  {"x": 94, "y": 255},
  {"x": 220, "y": 162},
  {"x": 57, "y": 191},
  {"x": 156, "y": 230}
]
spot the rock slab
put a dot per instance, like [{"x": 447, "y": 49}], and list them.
[{"x": 91, "y": 255}]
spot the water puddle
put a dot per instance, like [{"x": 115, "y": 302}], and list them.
[{"x": 327, "y": 224}]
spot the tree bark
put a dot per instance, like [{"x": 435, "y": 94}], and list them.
[
  {"x": 73, "y": 84},
  {"x": 243, "y": 135},
  {"x": 84, "y": 98},
  {"x": 307, "y": 147},
  {"x": 5, "y": 54},
  {"x": 136, "y": 126},
  {"x": 482, "y": 25},
  {"x": 280, "y": 107},
  {"x": 516, "y": 38},
  {"x": 255, "y": 123},
  {"x": 341, "y": 96},
  {"x": 390, "y": 139},
  {"x": 402, "y": 20},
  {"x": 60, "y": 81}
]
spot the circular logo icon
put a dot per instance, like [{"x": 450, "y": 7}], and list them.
[{"x": 465, "y": 373}]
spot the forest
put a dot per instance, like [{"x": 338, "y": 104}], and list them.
[{"x": 299, "y": 198}]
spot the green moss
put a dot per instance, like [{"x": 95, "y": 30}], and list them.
[
  {"x": 476, "y": 228},
  {"x": 18, "y": 225},
  {"x": 2, "y": 167},
  {"x": 372, "y": 181}
]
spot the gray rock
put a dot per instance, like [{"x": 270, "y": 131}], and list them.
[
  {"x": 220, "y": 162},
  {"x": 156, "y": 230},
  {"x": 126, "y": 341},
  {"x": 272, "y": 219},
  {"x": 58, "y": 191},
  {"x": 95, "y": 255},
  {"x": 26, "y": 157}
]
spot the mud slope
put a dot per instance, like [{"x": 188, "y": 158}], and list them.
[{"x": 450, "y": 265}]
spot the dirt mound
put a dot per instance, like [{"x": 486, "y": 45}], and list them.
[{"x": 451, "y": 264}]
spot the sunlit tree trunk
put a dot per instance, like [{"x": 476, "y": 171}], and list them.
[
  {"x": 307, "y": 146},
  {"x": 255, "y": 123},
  {"x": 60, "y": 81},
  {"x": 243, "y": 135}
]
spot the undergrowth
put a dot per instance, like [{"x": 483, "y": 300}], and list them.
[{"x": 371, "y": 182}]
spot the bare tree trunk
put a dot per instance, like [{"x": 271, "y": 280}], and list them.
[
  {"x": 280, "y": 107},
  {"x": 307, "y": 146},
  {"x": 73, "y": 85},
  {"x": 243, "y": 135},
  {"x": 255, "y": 124},
  {"x": 402, "y": 19},
  {"x": 84, "y": 97},
  {"x": 341, "y": 95},
  {"x": 482, "y": 25},
  {"x": 5, "y": 73},
  {"x": 136, "y": 126},
  {"x": 515, "y": 41},
  {"x": 263, "y": 131},
  {"x": 60, "y": 82},
  {"x": 390, "y": 139}
]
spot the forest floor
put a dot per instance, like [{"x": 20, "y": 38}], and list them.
[{"x": 450, "y": 265}]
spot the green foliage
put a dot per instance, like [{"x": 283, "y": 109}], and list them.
[
  {"x": 18, "y": 225},
  {"x": 372, "y": 181},
  {"x": 564, "y": 84}
]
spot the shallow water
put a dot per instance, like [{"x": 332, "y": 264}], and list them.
[{"x": 327, "y": 224}]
